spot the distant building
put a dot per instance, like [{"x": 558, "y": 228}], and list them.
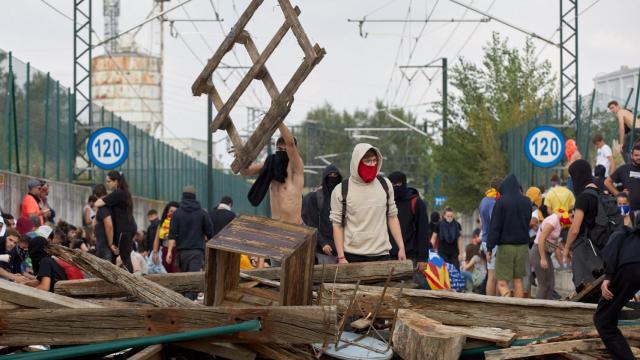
[
  {"x": 195, "y": 148},
  {"x": 616, "y": 86}
]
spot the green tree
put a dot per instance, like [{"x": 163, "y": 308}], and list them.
[{"x": 509, "y": 87}]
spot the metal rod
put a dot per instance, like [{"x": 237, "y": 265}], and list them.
[
  {"x": 58, "y": 130},
  {"x": 532, "y": 34},
  {"x": 27, "y": 116},
  {"x": 445, "y": 105},
  {"x": 593, "y": 100},
  {"x": 375, "y": 129},
  {"x": 147, "y": 20},
  {"x": 209, "y": 154},
  {"x": 406, "y": 124},
  {"x": 71, "y": 99},
  {"x": 626, "y": 103},
  {"x": 193, "y": 20},
  {"x": 45, "y": 135},
  {"x": 14, "y": 115},
  {"x": 117, "y": 345},
  {"x": 482, "y": 20}
]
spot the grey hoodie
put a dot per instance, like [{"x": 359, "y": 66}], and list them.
[{"x": 365, "y": 230}]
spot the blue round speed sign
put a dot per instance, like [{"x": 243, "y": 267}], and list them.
[
  {"x": 108, "y": 148},
  {"x": 544, "y": 146}
]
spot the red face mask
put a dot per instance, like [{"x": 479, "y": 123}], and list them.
[{"x": 366, "y": 172}]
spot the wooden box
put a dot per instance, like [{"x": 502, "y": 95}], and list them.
[{"x": 292, "y": 245}]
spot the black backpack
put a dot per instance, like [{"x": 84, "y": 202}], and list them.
[
  {"x": 345, "y": 191},
  {"x": 608, "y": 218}
]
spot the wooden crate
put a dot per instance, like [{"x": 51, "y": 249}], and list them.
[{"x": 292, "y": 245}]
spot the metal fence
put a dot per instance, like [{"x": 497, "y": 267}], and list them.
[
  {"x": 38, "y": 137},
  {"x": 589, "y": 121}
]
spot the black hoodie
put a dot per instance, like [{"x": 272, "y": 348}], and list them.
[
  {"x": 190, "y": 224},
  {"x": 622, "y": 248},
  {"x": 317, "y": 217},
  {"x": 414, "y": 222},
  {"x": 511, "y": 216}
]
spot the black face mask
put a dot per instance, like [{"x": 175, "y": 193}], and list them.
[
  {"x": 280, "y": 163},
  {"x": 399, "y": 191},
  {"x": 332, "y": 182}
]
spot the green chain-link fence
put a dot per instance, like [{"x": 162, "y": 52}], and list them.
[{"x": 38, "y": 138}]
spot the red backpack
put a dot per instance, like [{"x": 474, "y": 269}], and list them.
[{"x": 72, "y": 272}]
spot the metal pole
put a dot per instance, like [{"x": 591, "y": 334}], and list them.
[
  {"x": 71, "y": 99},
  {"x": 27, "y": 112},
  {"x": 45, "y": 135},
  {"x": 593, "y": 100},
  {"x": 58, "y": 130},
  {"x": 14, "y": 115},
  {"x": 444, "y": 97},
  {"x": 626, "y": 103},
  {"x": 209, "y": 155},
  {"x": 635, "y": 117}
]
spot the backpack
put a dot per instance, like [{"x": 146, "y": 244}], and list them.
[
  {"x": 608, "y": 219},
  {"x": 345, "y": 191},
  {"x": 72, "y": 272}
]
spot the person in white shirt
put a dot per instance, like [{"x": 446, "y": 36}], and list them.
[{"x": 604, "y": 154}]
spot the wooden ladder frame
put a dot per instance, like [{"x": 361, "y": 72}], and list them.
[{"x": 246, "y": 153}]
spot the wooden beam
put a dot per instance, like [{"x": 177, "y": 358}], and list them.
[
  {"x": 545, "y": 349},
  {"x": 296, "y": 275},
  {"x": 194, "y": 281},
  {"x": 137, "y": 286},
  {"x": 199, "y": 86},
  {"x": 591, "y": 293},
  {"x": 153, "y": 352},
  {"x": 524, "y": 316},
  {"x": 31, "y": 297},
  {"x": 417, "y": 338},
  {"x": 291, "y": 324},
  {"x": 291, "y": 15},
  {"x": 224, "y": 350}
]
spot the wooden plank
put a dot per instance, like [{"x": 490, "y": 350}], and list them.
[
  {"x": 296, "y": 275},
  {"x": 199, "y": 86},
  {"x": 415, "y": 338},
  {"x": 291, "y": 324},
  {"x": 265, "y": 76},
  {"x": 229, "y": 126},
  {"x": 257, "y": 66},
  {"x": 31, "y": 297},
  {"x": 195, "y": 281},
  {"x": 224, "y": 350},
  {"x": 179, "y": 282},
  {"x": 292, "y": 18},
  {"x": 544, "y": 349},
  {"x": 276, "y": 114},
  {"x": 524, "y": 316},
  {"x": 137, "y": 286},
  {"x": 227, "y": 274},
  {"x": 590, "y": 293},
  {"x": 209, "y": 275},
  {"x": 280, "y": 352},
  {"x": 7, "y": 305},
  {"x": 153, "y": 352}
]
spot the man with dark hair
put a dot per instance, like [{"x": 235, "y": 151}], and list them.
[
  {"x": 222, "y": 214},
  {"x": 315, "y": 213},
  {"x": 282, "y": 174},
  {"x": 7, "y": 245},
  {"x": 604, "y": 154},
  {"x": 447, "y": 239},
  {"x": 9, "y": 221},
  {"x": 412, "y": 214},
  {"x": 150, "y": 235},
  {"x": 625, "y": 124},
  {"x": 103, "y": 227},
  {"x": 629, "y": 176},
  {"x": 190, "y": 228}
]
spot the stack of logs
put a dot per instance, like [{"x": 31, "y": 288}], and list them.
[{"x": 423, "y": 324}]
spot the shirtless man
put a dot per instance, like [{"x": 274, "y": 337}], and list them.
[
  {"x": 625, "y": 124},
  {"x": 286, "y": 198}
]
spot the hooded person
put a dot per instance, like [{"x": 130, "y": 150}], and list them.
[
  {"x": 509, "y": 230},
  {"x": 412, "y": 214},
  {"x": 189, "y": 228},
  {"x": 579, "y": 248},
  {"x": 361, "y": 210},
  {"x": 315, "y": 213},
  {"x": 45, "y": 268}
]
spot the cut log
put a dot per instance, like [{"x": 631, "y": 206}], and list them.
[
  {"x": 224, "y": 350},
  {"x": 544, "y": 349},
  {"x": 416, "y": 337},
  {"x": 292, "y": 325},
  {"x": 194, "y": 281},
  {"x": 135, "y": 285},
  {"x": 34, "y": 298},
  {"x": 524, "y": 316}
]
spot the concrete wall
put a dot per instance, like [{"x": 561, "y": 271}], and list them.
[{"x": 66, "y": 199}]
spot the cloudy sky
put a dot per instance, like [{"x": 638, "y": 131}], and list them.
[{"x": 356, "y": 70}]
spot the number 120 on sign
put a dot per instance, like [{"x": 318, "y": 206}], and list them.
[
  {"x": 108, "y": 148},
  {"x": 544, "y": 146}
]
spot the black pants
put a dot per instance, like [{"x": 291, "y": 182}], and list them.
[
  {"x": 354, "y": 258},
  {"x": 190, "y": 261},
  {"x": 125, "y": 246},
  {"x": 624, "y": 285}
]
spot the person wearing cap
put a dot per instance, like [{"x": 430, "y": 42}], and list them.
[{"x": 31, "y": 202}]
